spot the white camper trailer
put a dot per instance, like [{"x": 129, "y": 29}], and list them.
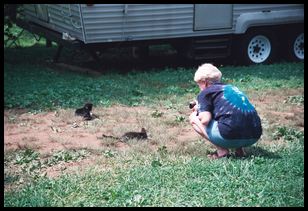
[{"x": 252, "y": 32}]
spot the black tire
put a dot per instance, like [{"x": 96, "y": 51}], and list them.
[
  {"x": 295, "y": 46},
  {"x": 257, "y": 47}
]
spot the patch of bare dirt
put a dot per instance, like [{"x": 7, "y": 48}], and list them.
[
  {"x": 49, "y": 132},
  {"x": 273, "y": 106},
  {"x": 53, "y": 131}
]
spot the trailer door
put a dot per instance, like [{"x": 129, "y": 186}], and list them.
[{"x": 213, "y": 16}]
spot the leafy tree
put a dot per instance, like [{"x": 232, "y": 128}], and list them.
[{"x": 11, "y": 12}]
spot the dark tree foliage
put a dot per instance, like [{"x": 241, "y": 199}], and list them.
[{"x": 10, "y": 15}]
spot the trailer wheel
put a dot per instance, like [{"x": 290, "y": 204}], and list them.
[
  {"x": 295, "y": 46},
  {"x": 257, "y": 47}
]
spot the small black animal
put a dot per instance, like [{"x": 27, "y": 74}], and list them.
[
  {"x": 192, "y": 104},
  {"x": 138, "y": 135},
  {"x": 85, "y": 111},
  {"x": 130, "y": 135}
]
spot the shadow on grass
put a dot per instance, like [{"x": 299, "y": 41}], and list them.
[
  {"x": 122, "y": 61},
  {"x": 260, "y": 152}
]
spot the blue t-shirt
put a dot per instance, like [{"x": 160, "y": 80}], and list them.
[{"x": 236, "y": 116}]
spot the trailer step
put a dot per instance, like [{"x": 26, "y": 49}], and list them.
[{"x": 211, "y": 48}]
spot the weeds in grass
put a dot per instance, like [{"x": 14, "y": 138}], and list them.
[
  {"x": 288, "y": 134},
  {"x": 109, "y": 153},
  {"x": 28, "y": 166},
  {"x": 26, "y": 156},
  {"x": 157, "y": 114},
  {"x": 66, "y": 156},
  {"x": 296, "y": 99},
  {"x": 180, "y": 118}
]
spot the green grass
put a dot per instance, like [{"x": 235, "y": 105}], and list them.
[
  {"x": 34, "y": 86},
  {"x": 261, "y": 77},
  {"x": 178, "y": 181}
]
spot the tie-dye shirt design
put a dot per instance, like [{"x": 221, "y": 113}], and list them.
[{"x": 230, "y": 107}]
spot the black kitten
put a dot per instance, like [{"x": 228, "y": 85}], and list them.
[
  {"x": 85, "y": 112},
  {"x": 130, "y": 135},
  {"x": 137, "y": 135}
]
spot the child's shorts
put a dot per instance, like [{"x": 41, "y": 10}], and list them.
[{"x": 215, "y": 137}]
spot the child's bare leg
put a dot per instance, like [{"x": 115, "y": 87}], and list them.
[
  {"x": 197, "y": 125},
  {"x": 200, "y": 129}
]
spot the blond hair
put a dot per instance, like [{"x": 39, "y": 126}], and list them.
[{"x": 207, "y": 72}]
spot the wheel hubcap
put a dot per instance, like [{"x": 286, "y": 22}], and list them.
[
  {"x": 259, "y": 49},
  {"x": 298, "y": 46}
]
